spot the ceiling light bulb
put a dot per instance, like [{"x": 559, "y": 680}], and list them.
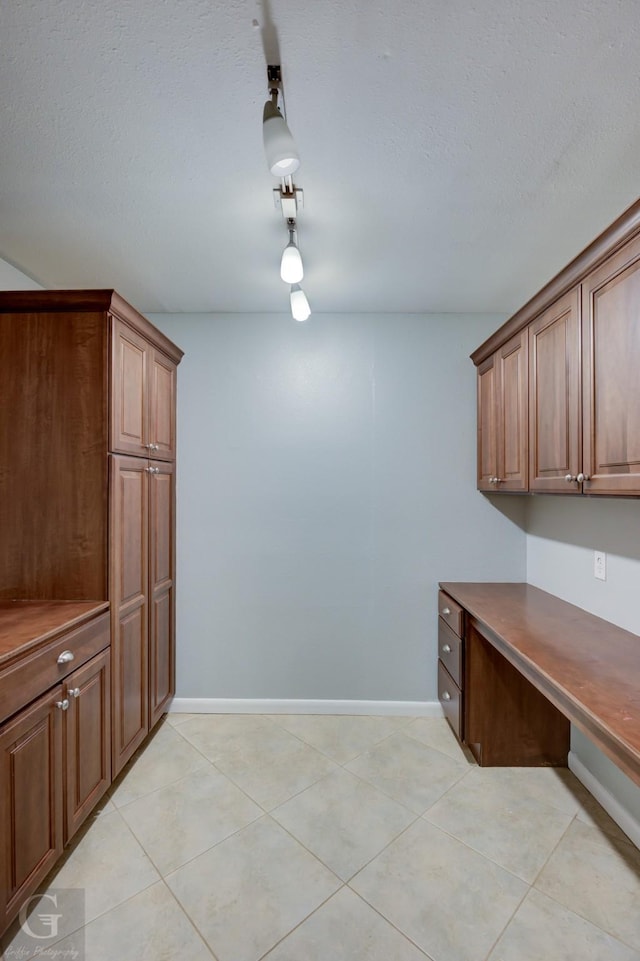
[
  {"x": 282, "y": 155},
  {"x": 299, "y": 303},
  {"x": 291, "y": 269}
]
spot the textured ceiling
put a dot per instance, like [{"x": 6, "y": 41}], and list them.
[{"x": 455, "y": 155}]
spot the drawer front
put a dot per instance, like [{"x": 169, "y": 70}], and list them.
[
  {"x": 450, "y": 612},
  {"x": 450, "y": 652},
  {"x": 37, "y": 672},
  {"x": 450, "y": 696}
]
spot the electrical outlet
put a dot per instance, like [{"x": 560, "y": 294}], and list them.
[{"x": 600, "y": 565}]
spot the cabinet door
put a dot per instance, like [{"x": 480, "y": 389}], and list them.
[
  {"x": 30, "y": 800},
  {"x": 129, "y": 422},
  {"x": 611, "y": 365},
  {"x": 555, "y": 417},
  {"x": 162, "y": 407},
  {"x": 87, "y": 740},
  {"x": 513, "y": 417},
  {"x": 487, "y": 425},
  {"x": 129, "y": 506},
  {"x": 161, "y": 589}
]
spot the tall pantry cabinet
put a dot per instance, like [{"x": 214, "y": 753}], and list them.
[{"x": 87, "y": 481}]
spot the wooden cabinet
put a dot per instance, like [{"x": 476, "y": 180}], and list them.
[
  {"x": 31, "y": 810},
  {"x": 555, "y": 441},
  {"x": 88, "y": 436},
  {"x": 611, "y": 364},
  {"x": 143, "y": 396},
  {"x": 582, "y": 429},
  {"x": 503, "y": 417},
  {"x": 87, "y": 517},
  {"x": 142, "y": 577},
  {"x": 55, "y": 743},
  {"x": 451, "y": 662},
  {"x": 87, "y": 739}
]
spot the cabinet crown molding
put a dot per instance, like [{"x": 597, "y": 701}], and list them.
[{"x": 608, "y": 242}]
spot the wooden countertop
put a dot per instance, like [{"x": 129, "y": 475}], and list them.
[
  {"x": 24, "y": 625},
  {"x": 586, "y": 666}
]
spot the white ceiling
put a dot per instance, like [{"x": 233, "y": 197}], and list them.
[{"x": 455, "y": 153}]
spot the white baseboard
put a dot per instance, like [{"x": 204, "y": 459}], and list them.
[
  {"x": 218, "y": 705},
  {"x": 612, "y": 806}
]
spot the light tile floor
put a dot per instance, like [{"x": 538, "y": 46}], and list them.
[{"x": 317, "y": 838}]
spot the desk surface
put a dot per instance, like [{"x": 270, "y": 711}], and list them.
[
  {"x": 25, "y": 625},
  {"x": 586, "y": 666}
]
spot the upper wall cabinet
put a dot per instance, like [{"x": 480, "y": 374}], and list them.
[
  {"x": 143, "y": 397},
  {"x": 573, "y": 354},
  {"x": 502, "y": 417},
  {"x": 555, "y": 444},
  {"x": 611, "y": 362}
]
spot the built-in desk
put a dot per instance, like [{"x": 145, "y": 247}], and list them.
[{"x": 530, "y": 664}]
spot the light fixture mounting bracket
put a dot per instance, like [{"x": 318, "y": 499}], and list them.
[
  {"x": 274, "y": 73},
  {"x": 289, "y": 201}
]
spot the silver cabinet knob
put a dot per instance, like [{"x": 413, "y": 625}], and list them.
[
  {"x": 446, "y": 696},
  {"x": 446, "y": 648},
  {"x": 148, "y": 446},
  {"x": 581, "y": 478},
  {"x": 155, "y": 447},
  {"x": 497, "y": 480},
  {"x": 74, "y": 692},
  {"x": 66, "y": 657},
  {"x": 63, "y": 705},
  {"x": 570, "y": 478},
  {"x": 446, "y": 610}
]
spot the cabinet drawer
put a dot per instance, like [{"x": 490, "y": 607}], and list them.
[
  {"x": 450, "y": 651},
  {"x": 450, "y": 612},
  {"x": 34, "y": 674},
  {"x": 450, "y": 696}
]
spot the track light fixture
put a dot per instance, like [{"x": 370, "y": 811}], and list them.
[
  {"x": 283, "y": 160},
  {"x": 291, "y": 269},
  {"x": 299, "y": 304}
]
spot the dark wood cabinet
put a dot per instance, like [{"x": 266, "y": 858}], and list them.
[
  {"x": 143, "y": 420},
  {"x": 55, "y": 748},
  {"x": 129, "y": 523},
  {"x": 555, "y": 438},
  {"x": 87, "y": 516},
  {"x": 503, "y": 418},
  {"x": 611, "y": 364},
  {"x": 87, "y": 739},
  {"x": 451, "y": 662},
  {"x": 143, "y": 578},
  {"x": 31, "y": 807},
  {"x": 162, "y": 563},
  {"x": 582, "y": 429}
]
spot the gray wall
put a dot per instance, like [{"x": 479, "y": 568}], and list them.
[
  {"x": 562, "y": 534},
  {"x": 326, "y": 483}
]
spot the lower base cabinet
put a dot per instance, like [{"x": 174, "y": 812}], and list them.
[
  {"x": 31, "y": 809},
  {"x": 492, "y": 708},
  {"x": 55, "y": 762}
]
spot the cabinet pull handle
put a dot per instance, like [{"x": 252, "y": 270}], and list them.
[
  {"x": 74, "y": 692},
  {"x": 446, "y": 696},
  {"x": 581, "y": 478},
  {"x": 447, "y": 649},
  {"x": 66, "y": 657},
  {"x": 63, "y": 705},
  {"x": 569, "y": 478},
  {"x": 446, "y": 610}
]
